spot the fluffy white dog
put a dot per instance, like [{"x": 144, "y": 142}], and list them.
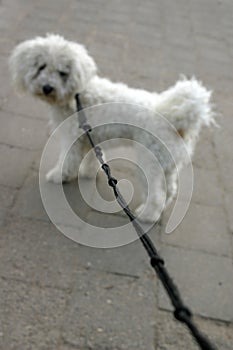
[{"x": 55, "y": 69}]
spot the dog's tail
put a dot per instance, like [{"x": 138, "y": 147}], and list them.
[{"x": 187, "y": 106}]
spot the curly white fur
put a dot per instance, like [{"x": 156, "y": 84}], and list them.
[{"x": 54, "y": 70}]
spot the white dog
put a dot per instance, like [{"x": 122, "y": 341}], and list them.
[{"x": 54, "y": 70}]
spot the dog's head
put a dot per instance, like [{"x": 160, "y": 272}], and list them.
[{"x": 51, "y": 68}]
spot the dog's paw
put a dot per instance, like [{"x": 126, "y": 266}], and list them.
[
  {"x": 147, "y": 215},
  {"x": 54, "y": 175},
  {"x": 57, "y": 176}
]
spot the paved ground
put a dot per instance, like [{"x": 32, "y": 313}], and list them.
[{"x": 56, "y": 294}]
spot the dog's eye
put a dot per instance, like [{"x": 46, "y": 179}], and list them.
[
  {"x": 42, "y": 67},
  {"x": 63, "y": 74}
]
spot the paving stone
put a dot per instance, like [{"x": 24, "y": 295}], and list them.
[
  {"x": 39, "y": 29},
  {"x": 111, "y": 230},
  {"x": 130, "y": 259},
  {"x": 37, "y": 252},
  {"x": 144, "y": 64},
  {"x": 224, "y": 107},
  {"x": 5, "y": 83},
  {"x": 31, "y": 317},
  {"x": 36, "y": 161},
  {"x": 51, "y": 7},
  {"x": 203, "y": 228},
  {"x": 204, "y": 156},
  {"x": 223, "y": 149},
  {"x": 205, "y": 282},
  {"x": 67, "y": 347},
  {"x": 22, "y": 132},
  {"x": 221, "y": 86},
  {"x": 27, "y": 106},
  {"x": 68, "y": 29},
  {"x": 6, "y": 199},
  {"x": 228, "y": 197},
  {"x": 171, "y": 335},
  {"x": 207, "y": 188},
  {"x": 29, "y": 203},
  {"x": 15, "y": 10},
  {"x": 15, "y": 164},
  {"x": 6, "y": 45},
  {"x": 216, "y": 46},
  {"x": 106, "y": 231},
  {"x": 93, "y": 326},
  {"x": 221, "y": 69},
  {"x": 225, "y": 162},
  {"x": 116, "y": 48},
  {"x": 225, "y": 173},
  {"x": 217, "y": 55}
]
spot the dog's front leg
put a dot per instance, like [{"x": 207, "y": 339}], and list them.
[{"x": 67, "y": 166}]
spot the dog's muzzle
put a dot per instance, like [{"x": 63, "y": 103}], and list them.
[{"x": 47, "y": 89}]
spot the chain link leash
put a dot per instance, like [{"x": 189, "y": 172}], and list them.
[{"x": 181, "y": 311}]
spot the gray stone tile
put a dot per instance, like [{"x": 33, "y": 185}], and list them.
[
  {"x": 174, "y": 336},
  {"x": 22, "y": 132},
  {"x": 205, "y": 282},
  {"x": 221, "y": 69},
  {"x": 39, "y": 29},
  {"x": 6, "y": 45},
  {"x": 30, "y": 316},
  {"x": 26, "y": 105},
  {"x": 110, "y": 231},
  {"x": 6, "y": 199},
  {"x": 5, "y": 82},
  {"x": 30, "y": 205},
  {"x": 15, "y": 164},
  {"x": 207, "y": 186},
  {"x": 130, "y": 259},
  {"x": 224, "y": 108},
  {"x": 226, "y": 174},
  {"x": 203, "y": 228},
  {"x": 204, "y": 156},
  {"x": 228, "y": 197},
  {"x": 44, "y": 7},
  {"x": 92, "y": 325},
  {"x": 223, "y": 141},
  {"x": 37, "y": 252},
  {"x": 225, "y": 162},
  {"x": 208, "y": 189},
  {"x": 67, "y": 347}
]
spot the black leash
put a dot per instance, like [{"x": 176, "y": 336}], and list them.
[{"x": 181, "y": 312}]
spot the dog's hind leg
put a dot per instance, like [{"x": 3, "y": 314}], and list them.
[
  {"x": 89, "y": 165},
  {"x": 154, "y": 190},
  {"x": 171, "y": 185},
  {"x": 67, "y": 166}
]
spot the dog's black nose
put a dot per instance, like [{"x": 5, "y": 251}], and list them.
[{"x": 47, "y": 89}]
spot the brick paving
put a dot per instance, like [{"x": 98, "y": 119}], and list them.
[{"x": 56, "y": 294}]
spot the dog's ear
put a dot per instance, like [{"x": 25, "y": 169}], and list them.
[
  {"x": 84, "y": 65},
  {"x": 17, "y": 63}
]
